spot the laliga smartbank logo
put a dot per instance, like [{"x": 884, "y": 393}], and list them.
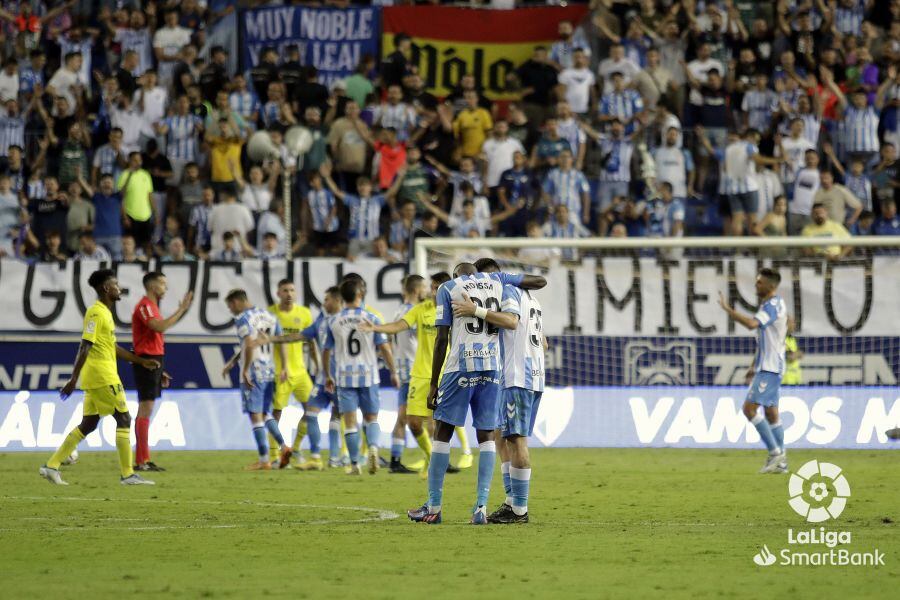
[{"x": 818, "y": 492}]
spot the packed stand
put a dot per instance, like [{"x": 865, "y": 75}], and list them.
[{"x": 124, "y": 135}]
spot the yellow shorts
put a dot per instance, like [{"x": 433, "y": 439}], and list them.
[
  {"x": 300, "y": 385},
  {"x": 417, "y": 399},
  {"x": 105, "y": 400}
]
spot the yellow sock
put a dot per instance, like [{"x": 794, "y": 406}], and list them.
[
  {"x": 123, "y": 449},
  {"x": 301, "y": 433},
  {"x": 425, "y": 444},
  {"x": 463, "y": 439},
  {"x": 274, "y": 449},
  {"x": 65, "y": 449}
]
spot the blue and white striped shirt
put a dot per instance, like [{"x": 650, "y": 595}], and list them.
[
  {"x": 861, "y": 187},
  {"x": 740, "y": 170},
  {"x": 269, "y": 114},
  {"x": 321, "y": 204},
  {"x": 365, "y": 216},
  {"x": 571, "y": 131},
  {"x": 243, "y": 103},
  {"x": 12, "y": 133},
  {"x": 354, "y": 351},
  {"x": 567, "y": 187},
  {"x": 400, "y": 233},
  {"x": 474, "y": 343},
  {"x": 772, "y": 330},
  {"x": 105, "y": 161},
  {"x": 861, "y": 129},
  {"x": 35, "y": 189},
  {"x": 28, "y": 77},
  {"x": 624, "y": 105},
  {"x": 199, "y": 220},
  {"x": 848, "y": 21},
  {"x": 182, "y": 136},
  {"x": 759, "y": 106}
]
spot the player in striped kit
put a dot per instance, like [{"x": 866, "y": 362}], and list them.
[
  {"x": 770, "y": 322},
  {"x": 356, "y": 370},
  {"x": 258, "y": 374},
  {"x": 471, "y": 376}
]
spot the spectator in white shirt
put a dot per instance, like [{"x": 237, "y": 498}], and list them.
[
  {"x": 229, "y": 216},
  {"x": 9, "y": 81},
  {"x": 617, "y": 63},
  {"x": 65, "y": 81},
  {"x": 497, "y": 153},
  {"x": 151, "y": 99},
  {"x": 794, "y": 148},
  {"x": 579, "y": 83},
  {"x": 806, "y": 184},
  {"x": 168, "y": 42}
]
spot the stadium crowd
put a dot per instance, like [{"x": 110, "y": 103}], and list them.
[{"x": 123, "y": 133}]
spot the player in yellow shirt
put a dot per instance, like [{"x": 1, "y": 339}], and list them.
[
  {"x": 421, "y": 317},
  {"x": 95, "y": 364},
  {"x": 294, "y": 318},
  {"x": 793, "y": 374}
]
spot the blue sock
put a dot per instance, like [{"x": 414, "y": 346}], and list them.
[
  {"x": 778, "y": 433},
  {"x": 272, "y": 426},
  {"x": 765, "y": 432},
  {"x": 397, "y": 445},
  {"x": 262, "y": 444},
  {"x": 437, "y": 468},
  {"x": 352, "y": 438},
  {"x": 373, "y": 433},
  {"x": 314, "y": 433},
  {"x": 334, "y": 439},
  {"x": 520, "y": 479},
  {"x": 504, "y": 470},
  {"x": 487, "y": 455}
]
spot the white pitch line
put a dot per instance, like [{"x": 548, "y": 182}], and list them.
[{"x": 380, "y": 514}]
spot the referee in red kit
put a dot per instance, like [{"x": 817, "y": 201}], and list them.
[{"x": 147, "y": 328}]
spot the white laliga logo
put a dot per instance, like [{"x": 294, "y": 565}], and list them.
[
  {"x": 818, "y": 475},
  {"x": 764, "y": 558},
  {"x": 554, "y": 414}
]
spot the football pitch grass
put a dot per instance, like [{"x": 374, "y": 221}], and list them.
[{"x": 605, "y": 524}]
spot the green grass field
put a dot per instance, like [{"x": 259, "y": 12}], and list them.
[{"x": 605, "y": 523}]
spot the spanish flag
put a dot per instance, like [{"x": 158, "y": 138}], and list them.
[{"x": 486, "y": 43}]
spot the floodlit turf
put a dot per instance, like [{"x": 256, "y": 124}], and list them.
[{"x": 605, "y": 523}]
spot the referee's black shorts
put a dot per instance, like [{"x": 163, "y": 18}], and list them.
[{"x": 147, "y": 382}]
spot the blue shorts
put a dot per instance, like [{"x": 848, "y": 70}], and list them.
[
  {"x": 402, "y": 393},
  {"x": 478, "y": 389},
  {"x": 518, "y": 410},
  {"x": 365, "y": 398},
  {"x": 258, "y": 399},
  {"x": 321, "y": 399},
  {"x": 744, "y": 203},
  {"x": 764, "y": 389}
]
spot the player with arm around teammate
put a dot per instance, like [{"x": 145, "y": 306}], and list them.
[
  {"x": 770, "y": 322},
  {"x": 470, "y": 379},
  {"x": 258, "y": 375}
]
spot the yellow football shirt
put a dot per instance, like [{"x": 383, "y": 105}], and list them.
[
  {"x": 792, "y": 373},
  {"x": 422, "y": 317},
  {"x": 375, "y": 312},
  {"x": 828, "y": 229},
  {"x": 100, "y": 367},
  {"x": 292, "y": 321}
]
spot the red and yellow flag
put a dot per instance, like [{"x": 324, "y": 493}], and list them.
[{"x": 488, "y": 44}]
